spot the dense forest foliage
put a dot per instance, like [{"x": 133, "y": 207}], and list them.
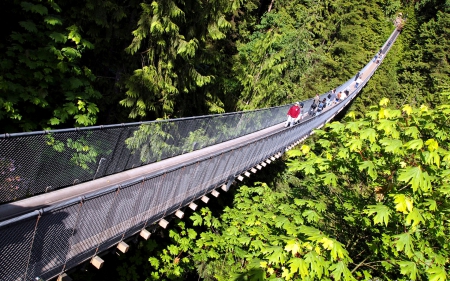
[
  {"x": 68, "y": 63},
  {"x": 364, "y": 199}
]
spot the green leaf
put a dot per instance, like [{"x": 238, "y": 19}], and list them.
[
  {"x": 432, "y": 205},
  {"x": 437, "y": 273},
  {"x": 192, "y": 234},
  {"x": 83, "y": 119},
  {"x": 408, "y": 268},
  {"x": 52, "y": 20},
  {"x": 381, "y": 212},
  {"x": 414, "y": 144},
  {"x": 311, "y": 216},
  {"x": 368, "y": 134},
  {"x": 329, "y": 179},
  {"x": 384, "y": 102},
  {"x": 292, "y": 246},
  {"x": 415, "y": 177},
  {"x": 412, "y": 132},
  {"x": 340, "y": 270},
  {"x": 355, "y": 145},
  {"x": 196, "y": 219},
  {"x": 392, "y": 145},
  {"x": 432, "y": 144},
  {"x": 29, "y": 26},
  {"x": 370, "y": 169},
  {"x": 404, "y": 204},
  {"x": 245, "y": 240},
  {"x": 277, "y": 256},
  {"x": 54, "y": 121},
  {"x": 415, "y": 216},
  {"x": 58, "y": 37},
  {"x": 403, "y": 242},
  {"x": 38, "y": 8},
  {"x": 299, "y": 265}
]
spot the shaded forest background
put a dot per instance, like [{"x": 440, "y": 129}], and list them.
[{"x": 83, "y": 63}]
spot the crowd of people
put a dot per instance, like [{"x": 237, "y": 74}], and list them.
[{"x": 295, "y": 113}]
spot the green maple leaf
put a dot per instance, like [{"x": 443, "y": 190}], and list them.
[
  {"x": 404, "y": 204},
  {"x": 257, "y": 244},
  {"x": 353, "y": 126},
  {"x": 245, "y": 240},
  {"x": 299, "y": 265},
  {"x": 311, "y": 216},
  {"x": 338, "y": 251},
  {"x": 412, "y": 131},
  {"x": 192, "y": 234},
  {"x": 414, "y": 144},
  {"x": 292, "y": 228},
  {"x": 340, "y": 270},
  {"x": 432, "y": 144},
  {"x": 432, "y": 205},
  {"x": 415, "y": 177},
  {"x": 415, "y": 216},
  {"x": 437, "y": 273},
  {"x": 312, "y": 233},
  {"x": 370, "y": 169},
  {"x": 293, "y": 246},
  {"x": 281, "y": 220},
  {"x": 329, "y": 179},
  {"x": 404, "y": 243},
  {"x": 196, "y": 219},
  {"x": 368, "y": 134},
  {"x": 408, "y": 268},
  {"x": 355, "y": 144},
  {"x": 392, "y": 145},
  {"x": 277, "y": 256},
  {"x": 381, "y": 212}
]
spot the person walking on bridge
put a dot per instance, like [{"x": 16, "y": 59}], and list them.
[{"x": 293, "y": 114}]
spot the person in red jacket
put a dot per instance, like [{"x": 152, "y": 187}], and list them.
[{"x": 293, "y": 114}]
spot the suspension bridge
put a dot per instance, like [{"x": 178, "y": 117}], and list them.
[{"x": 67, "y": 196}]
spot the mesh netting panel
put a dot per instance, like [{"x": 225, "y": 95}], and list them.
[
  {"x": 149, "y": 202},
  {"x": 123, "y": 213},
  {"x": 91, "y": 223},
  {"x": 37, "y": 162},
  {"x": 52, "y": 242},
  {"x": 16, "y": 240}
]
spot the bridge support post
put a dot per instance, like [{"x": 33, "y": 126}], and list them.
[
  {"x": 193, "y": 206},
  {"x": 145, "y": 234},
  {"x": 97, "y": 262},
  {"x": 215, "y": 193},
  {"x": 224, "y": 187},
  {"x": 64, "y": 277},
  {"x": 179, "y": 214},
  {"x": 163, "y": 223},
  {"x": 123, "y": 247}
]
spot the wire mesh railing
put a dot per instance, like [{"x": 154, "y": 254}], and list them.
[
  {"x": 51, "y": 240},
  {"x": 38, "y": 162}
]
